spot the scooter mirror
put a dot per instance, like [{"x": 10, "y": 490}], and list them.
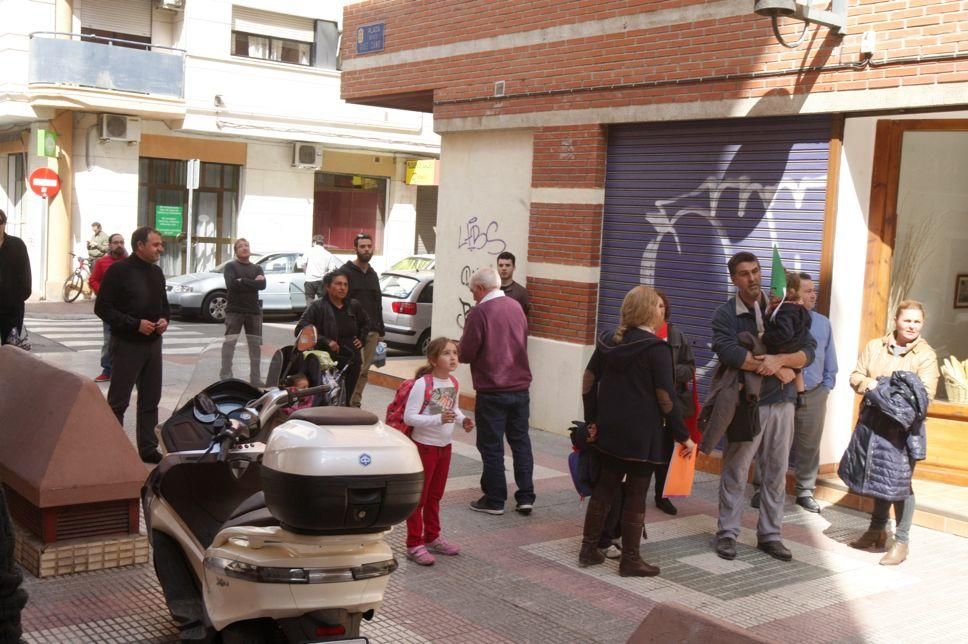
[
  {"x": 204, "y": 405},
  {"x": 307, "y": 338}
]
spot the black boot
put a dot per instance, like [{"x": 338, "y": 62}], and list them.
[
  {"x": 595, "y": 516},
  {"x": 632, "y": 564}
]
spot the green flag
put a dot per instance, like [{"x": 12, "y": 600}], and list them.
[{"x": 778, "y": 283}]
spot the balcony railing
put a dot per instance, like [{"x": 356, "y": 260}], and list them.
[{"x": 58, "y": 58}]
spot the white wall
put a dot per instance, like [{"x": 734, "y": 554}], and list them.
[
  {"x": 847, "y": 288},
  {"x": 106, "y": 190},
  {"x": 276, "y": 204},
  {"x": 400, "y": 230},
  {"x": 483, "y": 208}
]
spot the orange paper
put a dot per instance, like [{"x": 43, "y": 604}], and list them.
[{"x": 681, "y": 472}]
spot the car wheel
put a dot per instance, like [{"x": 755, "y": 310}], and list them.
[
  {"x": 423, "y": 342},
  {"x": 213, "y": 307}
]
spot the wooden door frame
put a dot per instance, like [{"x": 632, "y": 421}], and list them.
[{"x": 882, "y": 230}]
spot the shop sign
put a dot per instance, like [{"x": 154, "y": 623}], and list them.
[
  {"x": 46, "y": 143},
  {"x": 422, "y": 172},
  {"x": 369, "y": 38},
  {"x": 168, "y": 220}
]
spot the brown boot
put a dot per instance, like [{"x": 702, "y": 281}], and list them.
[
  {"x": 897, "y": 554},
  {"x": 870, "y": 539},
  {"x": 595, "y": 516},
  {"x": 632, "y": 564}
]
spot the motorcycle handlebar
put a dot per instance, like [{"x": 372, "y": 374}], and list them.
[{"x": 310, "y": 391}]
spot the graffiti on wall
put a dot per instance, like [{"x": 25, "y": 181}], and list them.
[
  {"x": 465, "y": 307},
  {"x": 477, "y": 236}
]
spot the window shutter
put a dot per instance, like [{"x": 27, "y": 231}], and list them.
[
  {"x": 122, "y": 16},
  {"x": 277, "y": 25}
]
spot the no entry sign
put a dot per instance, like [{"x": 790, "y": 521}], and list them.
[{"x": 44, "y": 182}]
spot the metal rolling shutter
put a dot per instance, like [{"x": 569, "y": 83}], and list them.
[
  {"x": 277, "y": 25},
  {"x": 122, "y": 16},
  {"x": 425, "y": 240},
  {"x": 681, "y": 198}
]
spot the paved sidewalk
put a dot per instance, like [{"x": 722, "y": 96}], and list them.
[{"x": 517, "y": 579}]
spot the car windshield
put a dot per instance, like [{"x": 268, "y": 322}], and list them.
[
  {"x": 209, "y": 366},
  {"x": 413, "y": 264},
  {"x": 397, "y": 286}
]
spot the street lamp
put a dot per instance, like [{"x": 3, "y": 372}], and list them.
[{"x": 834, "y": 18}]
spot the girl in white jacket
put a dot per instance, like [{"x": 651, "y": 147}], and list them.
[{"x": 432, "y": 411}]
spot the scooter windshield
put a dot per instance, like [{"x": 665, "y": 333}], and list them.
[{"x": 255, "y": 361}]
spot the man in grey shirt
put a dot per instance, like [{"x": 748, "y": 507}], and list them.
[{"x": 243, "y": 280}]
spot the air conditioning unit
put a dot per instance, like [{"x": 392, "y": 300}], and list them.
[
  {"x": 307, "y": 155},
  {"x": 172, "y": 5},
  {"x": 117, "y": 127}
]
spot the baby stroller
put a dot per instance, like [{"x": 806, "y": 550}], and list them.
[{"x": 319, "y": 368}]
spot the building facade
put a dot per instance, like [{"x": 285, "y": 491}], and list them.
[
  {"x": 610, "y": 144},
  {"x": 128, "y": 91}
]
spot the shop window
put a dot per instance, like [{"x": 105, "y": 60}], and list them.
[
  {"x": 345, "y": 205},
  {"x": 929, "y": 262},
  {"x": 163, "y": 200}
]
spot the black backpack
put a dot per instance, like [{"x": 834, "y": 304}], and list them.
[{"x": 583, "y": 462}]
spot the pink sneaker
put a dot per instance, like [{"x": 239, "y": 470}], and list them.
[
  {"x": 419, "y": 555},
  {"x": 443, "y": 547}
]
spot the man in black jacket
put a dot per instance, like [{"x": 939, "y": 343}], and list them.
[
  {"x": 244, "y": 280},
  {"x": 365, "y": 289},
  {"x": 14, "y": 281},
  {"x": 132, "y": 301}
]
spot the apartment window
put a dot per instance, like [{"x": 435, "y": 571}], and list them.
[
  {"x": 295, "y": 40},
  {"x": 269, "y": 48}
]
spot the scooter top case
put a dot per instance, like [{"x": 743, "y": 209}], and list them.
[{"x": 339, "y": 470}]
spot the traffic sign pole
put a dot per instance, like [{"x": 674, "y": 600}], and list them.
[{"x": 194, "y": 168}]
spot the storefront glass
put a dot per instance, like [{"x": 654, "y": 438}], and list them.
[{"x": 930, "y": 257}]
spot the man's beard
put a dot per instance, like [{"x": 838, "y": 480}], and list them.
[
  {"x": 118, "y": 253},
  {"x": 364, "y": 257}
]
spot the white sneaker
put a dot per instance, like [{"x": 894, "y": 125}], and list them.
[{"x": 612, "y": 552}]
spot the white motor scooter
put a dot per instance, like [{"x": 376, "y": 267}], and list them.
[{"x": 281, "y": 540}]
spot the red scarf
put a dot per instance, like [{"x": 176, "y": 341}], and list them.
[{"x": 692, "y": 422}]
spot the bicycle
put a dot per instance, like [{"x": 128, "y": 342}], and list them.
[{"x": 77, "y": 282}]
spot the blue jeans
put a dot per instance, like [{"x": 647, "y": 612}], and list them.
[
  {"x": 500, "y": 414},
  {"x": 106, "y": 350}
]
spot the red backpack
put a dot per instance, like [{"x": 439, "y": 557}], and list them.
[{"x": 398, "y": 405}]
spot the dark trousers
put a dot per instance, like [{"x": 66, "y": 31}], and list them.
[
  {"x": 106, "y": 349},
  {"x": 661, "y": 471},
  {"x": 314, "y": 290},
  {"x": 137, "y": 363},
  {"x": 234, "y": 324},
  {"x": 500, "y": 414},
  {"x": 11, "y": 317},
  {"x": 903, "y": 516},
  {"x": 423, "y": 526}
]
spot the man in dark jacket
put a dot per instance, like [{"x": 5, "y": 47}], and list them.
[
  {"x": 133, "y": 302},
  {"x": 14, "y": 281},
  {"x": 365, "y": 289},
  {"x": 745, "y": 312},
  {"x": 495, "y": 344},
  {"x": 243, "y": 281}
]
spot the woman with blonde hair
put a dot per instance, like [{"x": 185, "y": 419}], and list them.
[
  {"x": 879, "y": 461},
  {"x": 629, "y": 393}
]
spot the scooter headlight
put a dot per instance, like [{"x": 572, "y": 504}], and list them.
[{"x": 272, "y": 575}]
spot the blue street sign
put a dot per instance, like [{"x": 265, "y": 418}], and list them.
[{"x": 369, "y": 38}]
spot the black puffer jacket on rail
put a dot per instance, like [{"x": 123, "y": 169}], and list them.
[{"x": 888, "y": 439}]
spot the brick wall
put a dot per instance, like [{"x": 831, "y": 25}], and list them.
[
  {"x": 562, "y": 310},
  {"x": 596, "y": 71},
  {"x": 572, "y": 157},
  {"x": 565, "y": 234}
]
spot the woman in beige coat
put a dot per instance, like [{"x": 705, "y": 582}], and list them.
[{"x": 902, "y": 350}]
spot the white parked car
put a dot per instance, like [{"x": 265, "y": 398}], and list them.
[
  {"x": 204, "y": 295},
  {"x": 408, "y": 298}
]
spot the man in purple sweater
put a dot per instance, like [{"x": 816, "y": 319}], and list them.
[{"x": 495, "y": 344}]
